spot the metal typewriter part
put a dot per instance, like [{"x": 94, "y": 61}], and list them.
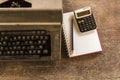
[
  {"x": 15, "y": 4},
  {"x": 31, "y": 33}
]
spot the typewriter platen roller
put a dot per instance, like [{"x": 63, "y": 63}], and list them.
[{"x": 30, "y": 32}]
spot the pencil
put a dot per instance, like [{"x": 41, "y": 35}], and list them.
[{"x": 72, "y": 25}]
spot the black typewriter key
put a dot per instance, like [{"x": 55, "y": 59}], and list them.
[
  {"x": 21, "y": 52},
  {"x": 23, "y": 47},
  {"x": 32, "y": 47},
  {"x": 38, "y": 32},
  {"x": 44, "y": 42},
  {"x": 19, "y": 47},
  {"x": 30, "y": 51},
  {"x": 28, "y": 37},
  {"x": 1, "y": 39},
  {"x": 36, "y": 37},
  {"x": 26, "y": 42},
  {"x": 41, "y": 37},
  {"x": 23, "y": 37},
  {"x": 39, "y": 51},
  {"x": 8, "y": 53},
  {"x": 13, "y": 43},
  {"x": 45, "y": 51},
  {"x": 17, "y": 52},
  {"x": 30, "y": 42},
  {"x": 4, "y": 43},
  {"x": 10, "y": 48},
  {"x": 40, "y": 47},
  {"x": 14, "y": 48},
  {"x": 39, "y": 41},
  {"x": 34, "y": 52},
  {"x": 43, "y": 32},
  {"x": 19, "y": 37},
  {"x": 1, "y": 48},
  {"x": 13, "y": 52},
  {"x": 10, "y": 39},
  {"x": 46, "y": 37},
  {"x": 32, "y": 37},
  {"x": 6, "y": 38},
  {"x": 17, "y": 43},
  {"x": 14, "y": 38}
]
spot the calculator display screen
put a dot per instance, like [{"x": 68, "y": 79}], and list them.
[{"x": 83, "y": 13}]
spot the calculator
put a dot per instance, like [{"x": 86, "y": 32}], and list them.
[{"x": 85, "y": 19}]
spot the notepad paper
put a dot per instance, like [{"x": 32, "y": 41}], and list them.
[{"x": 82, "y": 42}]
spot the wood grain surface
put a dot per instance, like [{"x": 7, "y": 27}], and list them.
[{"x": 102, "y": 66}]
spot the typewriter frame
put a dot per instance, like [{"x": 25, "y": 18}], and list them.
[{"x": 35, "y": 18}]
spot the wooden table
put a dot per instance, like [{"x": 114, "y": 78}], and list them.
[{"x": 102, "y": 66}]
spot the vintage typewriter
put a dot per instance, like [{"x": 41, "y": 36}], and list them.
[{"x": 30, "y": 29}]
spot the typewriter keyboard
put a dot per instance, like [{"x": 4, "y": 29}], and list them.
[{"x": 15, "y": 43}]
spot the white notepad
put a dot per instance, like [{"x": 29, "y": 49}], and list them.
[{"x": 83, "y": 42}]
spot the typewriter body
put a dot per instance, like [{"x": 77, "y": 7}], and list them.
[{"x": 31, "y": 32}]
